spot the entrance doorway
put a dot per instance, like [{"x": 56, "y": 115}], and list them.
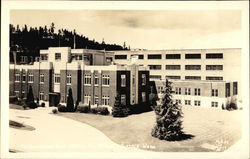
[{"x": 54, "y": 99}]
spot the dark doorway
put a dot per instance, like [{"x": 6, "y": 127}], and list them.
[{"x": 54, "y": 99}]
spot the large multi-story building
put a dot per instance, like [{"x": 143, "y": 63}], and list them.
[
  {"x": 201, "y": 77},
  {"x": 90, "y": 74}
]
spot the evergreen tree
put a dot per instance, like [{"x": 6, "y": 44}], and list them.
[
  {"x": 118, "y": 109},
  {"x": 70, "y": 101},
  {"x": 30, "y": 96},
  {"x": 168, "y": 118}
]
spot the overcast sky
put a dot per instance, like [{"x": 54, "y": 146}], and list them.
[{"x": 168, "y": 29}]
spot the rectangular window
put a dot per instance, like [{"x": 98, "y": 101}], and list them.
[
  {"x": 173, "y": 67},
  {"x": 214, "y": 93},
  {"x": 105, "y": 80},
  {"x": 235, "y": 88},
  {"x": 197, "y": 103},
  {"x": 44, "y": 57},
  {"x": 68, "y": 79},
  {"x": 139, "y": 56},
  {"x": 192, "y": 56},
  {"x": 154, "y": 56},
  {"x": 17, "y": 77},
  {"x": 155, "y": 77},
  {"x": 23, "y": 77},
  {"x": 178, "y": 101},
  {"x": 154, "y": 67},
  {"x": 177, "y": 90},
  {"x": 197, "y": 91},
  {"x": 57, "y": 78},
  {"x": 143, "y": 95},
  {"x": 160, "y": 89},
  {"x": 187, "y": 91},
  {"x": 214, "y": 104},
  {"x": 173, "y": 77},
  {"x": 57, "y": 56},
  {"x": 105, "y": 100},
  {"x": 143, "y": 76},
  {"x": 121, "y": 57},
  {"x": 123, "y": 80},
  {"x": 193, "y": 77},
  {"x": 30, "y": 78},
  {"x": 87, "y": 98},
  {"x": 96, "y": 100},
  {"x": 41, "y": 78},
  {"x": 214, "y": 67},
  {"x": 227, "y": 89},
  {"x": 187, "y": 102},
  {"x": 41, "y": 96},
  {"x": 214, "y": 78},
  {"x": 23, "y": 94},
  {"x": 214, "y": 56},
  {"x": 123, "y": 99},
  {"x": 87, "y": 79},
  {"x": 109, "y": 59},
  {"x": 133, "y": 79},
  {"x": 173, "y": 56},
  {"x": 17, "y": 94},
  {"x": 24, "y": 59},
  {"x": 192, "y": 67},
  {"x": 96, "y": 80}
]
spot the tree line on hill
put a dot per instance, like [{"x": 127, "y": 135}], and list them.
[{"x": 32, "y": 39}]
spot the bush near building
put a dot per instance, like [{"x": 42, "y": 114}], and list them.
[
  {"x": 168, "y": 118},
  {"x": 83, "y": 109},
  {"x": 29, "y": 102},
  {"x": 62, "y": 108},
  {"x": 119, "y": 110}
]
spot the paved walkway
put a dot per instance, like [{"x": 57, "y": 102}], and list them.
[{"x": 57, "y": 134}]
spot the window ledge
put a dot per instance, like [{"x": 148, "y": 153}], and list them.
[
  {"x": 87, "y": 84},
  {"x": 105, "y": 85}
]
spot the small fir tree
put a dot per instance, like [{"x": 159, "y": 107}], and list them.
[
  {"x": 168, "y": 118},
  {"x": 30, "y": 96},
  {"x": 70, "y": 101},
  {"x": 118, "y": 109}
]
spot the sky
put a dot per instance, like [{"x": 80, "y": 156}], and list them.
[{"x": 144, "y": 29}]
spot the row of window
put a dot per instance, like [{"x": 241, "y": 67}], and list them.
[
  {"x": 187, "y": 67},
  {"x": 176, "y": 56},
  {"x": 187, "y": 77},
  {"x": 87, "y": 99},
  {"x": 196, "y": 103},
  {"x": 197, "y": 91},
  {"x": 87, "y": 79},
  {"x": 42, "y": 96}
]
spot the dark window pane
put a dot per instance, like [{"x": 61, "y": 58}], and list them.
[
  {"x": 214, "y": 78},
  {"x": 193, "y": 77},
  {"x": 173, "y": 67},
  {"x": 120, "y": 56},
  {"x": 192, "y": 67},
  {"x": 192, "y": 56},
  {"x": 214, "y": 55},
  {"x": 173, "y": 77},
  {"x": 173, "y": 56},
  {"x": 154, "y": 56}
]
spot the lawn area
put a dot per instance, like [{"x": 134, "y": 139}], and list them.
[{"x": 213, "y": 129}]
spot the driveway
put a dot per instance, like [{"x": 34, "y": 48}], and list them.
[{"x": 58, "y": 134}]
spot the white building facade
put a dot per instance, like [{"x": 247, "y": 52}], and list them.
[{"x": 201, "y": 77}]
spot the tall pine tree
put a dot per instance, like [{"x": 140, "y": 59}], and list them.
[
  {"x": 118, "y": 109},
  {"x": 70, "y": 101},
  {"x": 30, "y": 96},
  {"x": 168, "y": 118}
]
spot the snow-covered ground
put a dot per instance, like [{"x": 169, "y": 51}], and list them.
[{"x": 58, "y": 134}]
